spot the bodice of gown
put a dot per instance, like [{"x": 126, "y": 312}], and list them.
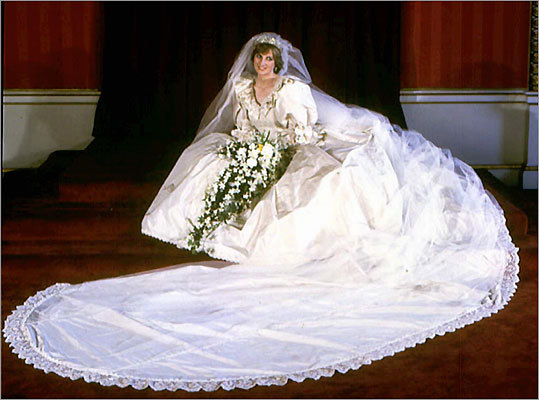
[{"x": 288, "y": 113}]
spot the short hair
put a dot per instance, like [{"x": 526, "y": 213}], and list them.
[{"x": 261, "y": 48}]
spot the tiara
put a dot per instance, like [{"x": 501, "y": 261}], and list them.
[{"x": 273, "y": 39}]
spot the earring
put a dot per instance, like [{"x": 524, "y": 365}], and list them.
[{"x": 275, "y": 69}]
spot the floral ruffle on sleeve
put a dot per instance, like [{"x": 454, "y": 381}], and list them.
[{"x": 299, "y": 133}]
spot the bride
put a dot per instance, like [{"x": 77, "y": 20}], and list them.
[{"x": 344, "y": 239}]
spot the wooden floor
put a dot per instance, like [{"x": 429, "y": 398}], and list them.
[{"x": 46, "y": 240}]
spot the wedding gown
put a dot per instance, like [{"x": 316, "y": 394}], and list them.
[{"x": 371, "y": 242}]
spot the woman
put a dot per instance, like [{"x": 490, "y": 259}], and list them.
[
  {"x": 370, "y": 241},
  {"x": 281, "y": 226}
]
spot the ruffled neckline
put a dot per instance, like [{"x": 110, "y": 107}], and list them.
[
  {"x": 278, "y": 85},
  {"x": 246, "y": 92}
]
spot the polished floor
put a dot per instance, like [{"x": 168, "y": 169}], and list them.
[{"x": 48, "y": 239}]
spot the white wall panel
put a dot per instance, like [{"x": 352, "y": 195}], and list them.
[
  {"x": 478, "y": 126},
  {"x": 39, "y": 122}
]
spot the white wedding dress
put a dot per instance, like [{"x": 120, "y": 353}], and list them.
[
  {"x": 339, "y": 189},
  {"x": 371, "y": 242}
]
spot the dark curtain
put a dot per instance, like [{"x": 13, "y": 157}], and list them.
[{"x": 164, "y": 62}]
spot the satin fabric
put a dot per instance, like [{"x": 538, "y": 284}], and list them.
[{"x": 242, "y": 321}]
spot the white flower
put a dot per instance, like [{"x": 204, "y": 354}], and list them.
[
  {"x": 254, "y": 153},
  {"x": 265, "y": 163},
  {"x": 267, "y": 150},
  {"x": 242, "y": 153},
  {"x": 258, "y": 178},
  {"x": 251, "y": 162}
]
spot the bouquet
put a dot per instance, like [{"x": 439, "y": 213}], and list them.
[{"x": 254, "y": 167}]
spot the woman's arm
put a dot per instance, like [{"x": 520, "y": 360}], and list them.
[{"x": 299, "y": 113}]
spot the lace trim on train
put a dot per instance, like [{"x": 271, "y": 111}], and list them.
[{"x": 18, "y": 337}]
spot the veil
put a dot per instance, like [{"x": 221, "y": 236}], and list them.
[{"x": 338, "y": 117}]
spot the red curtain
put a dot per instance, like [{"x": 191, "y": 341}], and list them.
[
  {"x": 448, "y": 44},
  {"x": 444, "y": 44},
  {"x": 52, "y": 45}
]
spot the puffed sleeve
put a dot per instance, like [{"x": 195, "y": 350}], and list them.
[{"x": 297, "y": 111}]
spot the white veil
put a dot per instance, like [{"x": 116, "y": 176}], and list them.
[{"x": 332, "y": 113}]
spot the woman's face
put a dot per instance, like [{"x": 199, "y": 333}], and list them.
[{"x": 264, "y": 64}]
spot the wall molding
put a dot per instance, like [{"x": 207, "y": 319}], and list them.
[
  {"x": 464, "y": 96},
  {"x": 532, "y": 97},
  {"x": 50, "y": 96}
]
